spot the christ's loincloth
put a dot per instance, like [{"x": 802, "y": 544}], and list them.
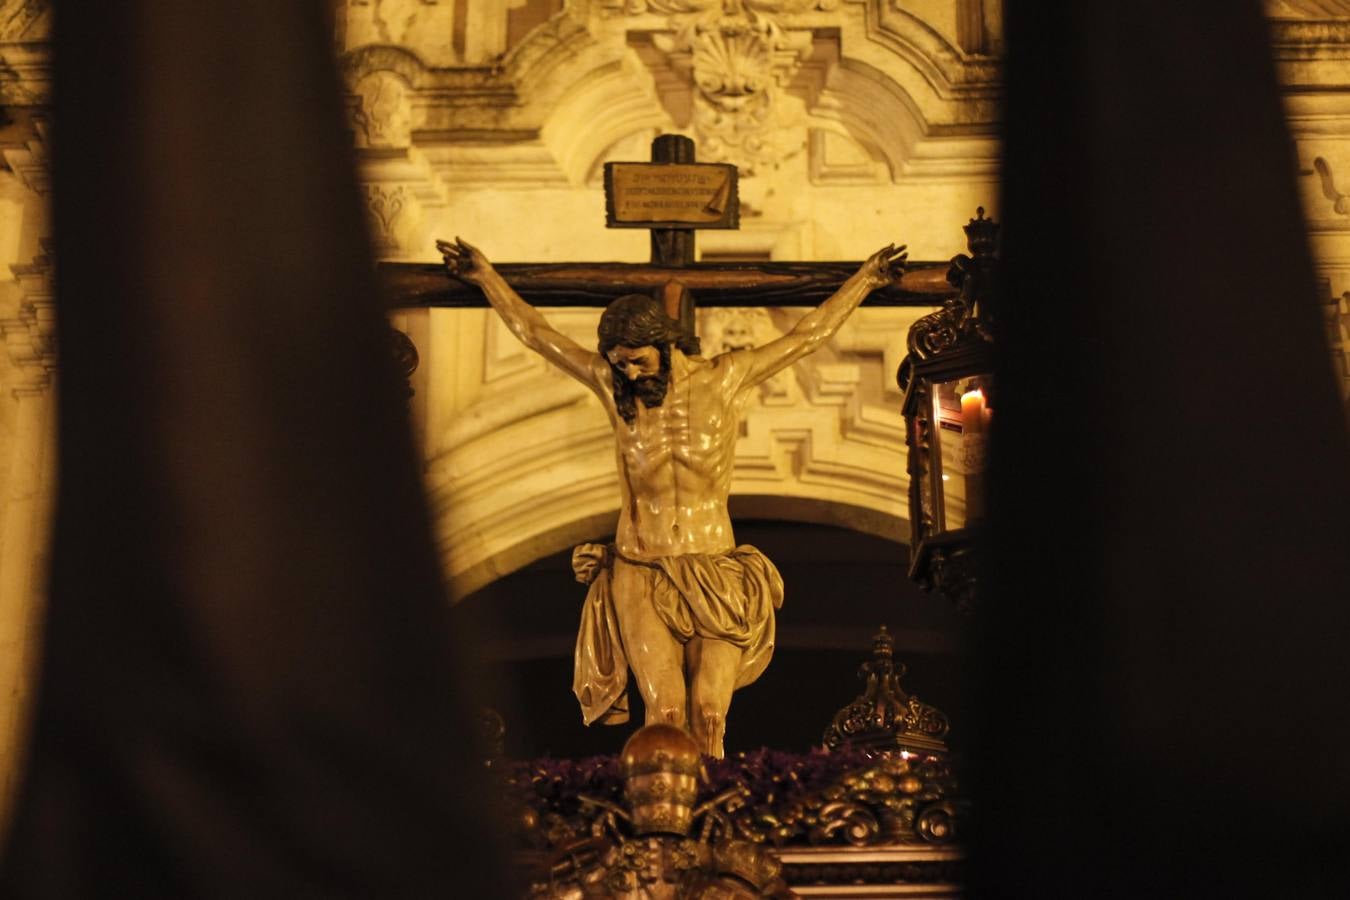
[{"x": 722, "y": 597}]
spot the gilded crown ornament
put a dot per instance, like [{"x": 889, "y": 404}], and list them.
[
  {"x": 964, "y": 319},
  {"x": 883, "y": 717},
  {"x": 981, "y": 235},
  {"x": 661, "y": 766}
]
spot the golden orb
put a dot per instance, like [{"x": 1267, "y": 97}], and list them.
[
  {"x": 661, "y": 765},
  {"x": 660, "y": 748}
]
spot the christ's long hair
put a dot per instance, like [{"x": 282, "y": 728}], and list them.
[{"x": 634, "y": 321}]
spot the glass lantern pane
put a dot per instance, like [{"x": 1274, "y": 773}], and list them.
[{"x": 962, "y": 415}]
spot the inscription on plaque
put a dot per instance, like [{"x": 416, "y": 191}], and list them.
[{"x": 671, "y": 195}]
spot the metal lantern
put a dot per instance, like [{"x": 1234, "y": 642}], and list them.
[{"x": 948, "y": 385}]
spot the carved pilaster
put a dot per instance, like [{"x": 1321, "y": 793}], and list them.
[
  {"x": 30, "y": 335},
  {"x": 1338, "y": 336},
  {"x": 396, "y": 181},
  {"x": 388, "y": 208},
  {"x": 29, "y": 161},
  {"x": 25, "y": 516}
]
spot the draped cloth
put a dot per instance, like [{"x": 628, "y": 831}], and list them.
[
  {"x": 723, "y": 597},
  {"x": 248, "y": 681}
]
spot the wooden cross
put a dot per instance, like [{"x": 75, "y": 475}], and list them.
[{"x": 672, "y": 273}]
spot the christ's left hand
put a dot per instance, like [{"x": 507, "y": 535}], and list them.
[{"x": 885, "y": 266}]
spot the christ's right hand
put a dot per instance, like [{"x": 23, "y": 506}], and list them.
[{"x": 464, "y": 261}]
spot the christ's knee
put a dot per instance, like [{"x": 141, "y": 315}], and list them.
[
  {"x": 710, "y": 727},
  {"x": 667, "y": 712}
]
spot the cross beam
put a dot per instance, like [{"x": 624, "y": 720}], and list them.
[{"x": 405, "y": 285}]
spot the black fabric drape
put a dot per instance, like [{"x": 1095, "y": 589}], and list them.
[
  {"x": 247, "y": 689},
  {"x": 1164, "y": 679}
]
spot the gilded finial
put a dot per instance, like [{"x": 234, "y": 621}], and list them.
[{"x": 883, "y": 717}]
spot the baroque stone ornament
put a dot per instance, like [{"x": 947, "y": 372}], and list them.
[
  {"x": 382, "y": 116},
  {"x": 1340, "y": 203},
  {"x": 741, "y": 55},
  {"x": 726, "y": 329},
  {"x": 883, "y": 717},
  {"x": 386, "y": 205}
]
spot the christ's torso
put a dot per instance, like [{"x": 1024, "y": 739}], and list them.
[{"x": 675, "y": 463}]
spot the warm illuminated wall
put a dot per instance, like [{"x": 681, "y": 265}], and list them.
[{"x": 853, "y": 123}]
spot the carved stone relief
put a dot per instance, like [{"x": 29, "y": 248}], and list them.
[
  {"x": 395, "y": 21},
  {"x": 740, "y": 56},
  {"x": 393, "y": 214},
  {"x": 1340, "y": 202},
  {"x": 725, "y": 329},
  {"x": 30, "y": 335},
  {"x": 382, "y": 116}
]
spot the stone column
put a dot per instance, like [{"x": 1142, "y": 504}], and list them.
[
  {"x": 396, "y": 180},
  {"x": 25, "y": 523}
]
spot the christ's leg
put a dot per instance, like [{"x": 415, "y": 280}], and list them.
[
  {"x": 713, "y": 666},
  {"x": 654, "y": 654}
]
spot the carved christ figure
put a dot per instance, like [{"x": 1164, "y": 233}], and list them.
[{"x": 674, "y": 597}]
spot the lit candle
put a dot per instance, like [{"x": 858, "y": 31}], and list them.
[
  {"x": 974, "y": 417},
  {"x": 972, "y": 412}
]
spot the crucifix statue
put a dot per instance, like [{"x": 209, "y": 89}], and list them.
[{"x": 673, "y": 598}]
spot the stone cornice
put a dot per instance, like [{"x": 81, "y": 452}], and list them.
[{"x": 951, "y": 72}]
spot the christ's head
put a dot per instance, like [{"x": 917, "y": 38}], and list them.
[{"x": 636, "y": 337}]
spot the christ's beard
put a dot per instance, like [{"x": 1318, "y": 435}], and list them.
[{"x": 651, "y": 390}]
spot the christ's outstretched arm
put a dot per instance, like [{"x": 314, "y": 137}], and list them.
[
  {"x": 468, "y": 263},
  {"x": 815, "y": 328}
]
